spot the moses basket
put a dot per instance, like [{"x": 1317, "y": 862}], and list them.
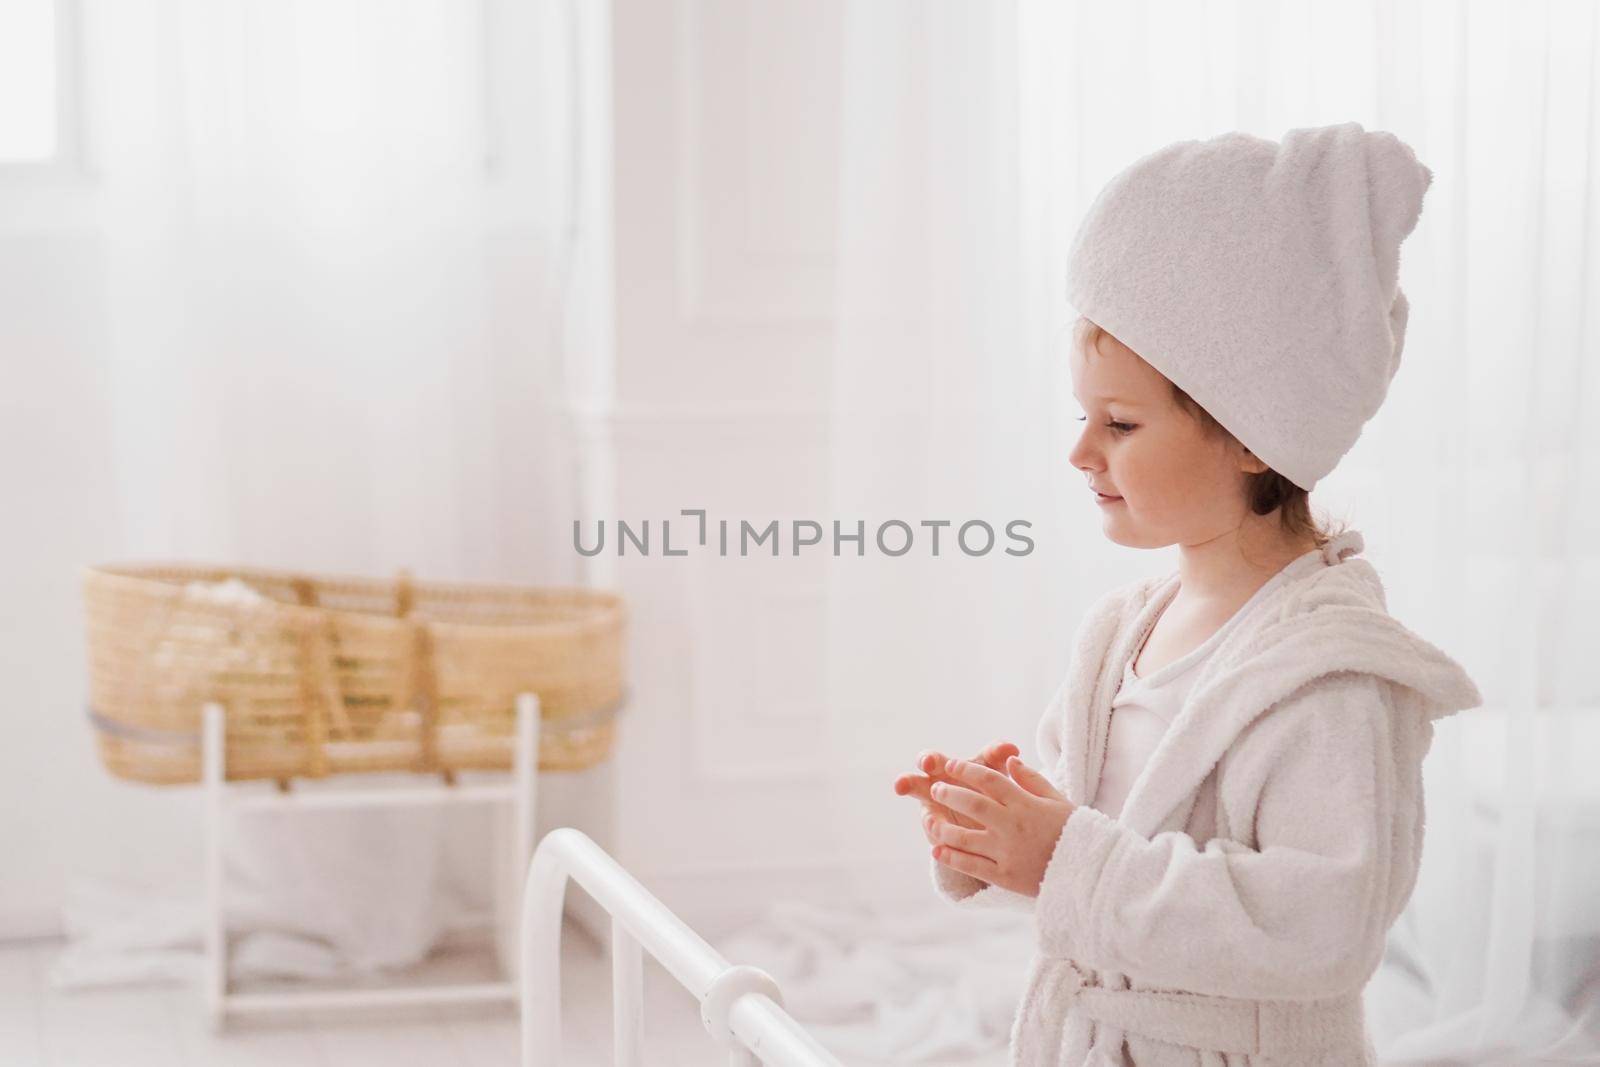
[{"x": 331, "y": 675}]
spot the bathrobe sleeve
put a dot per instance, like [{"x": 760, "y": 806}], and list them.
[
  {"x": 1302, "y": 914},
  {"x": 963, "y": 889}
]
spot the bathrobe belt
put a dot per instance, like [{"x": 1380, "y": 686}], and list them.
[{"x": 1220, "y": 1024}]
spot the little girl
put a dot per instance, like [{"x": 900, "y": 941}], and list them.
[{"x": 1229, "y": 815}]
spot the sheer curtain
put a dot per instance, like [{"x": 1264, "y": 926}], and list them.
[
  {"x": 975, "y": 138},
  {"x": 335, "y": 243}
]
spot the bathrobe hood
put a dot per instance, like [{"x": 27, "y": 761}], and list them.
[{"x": 1329, "y": 615}]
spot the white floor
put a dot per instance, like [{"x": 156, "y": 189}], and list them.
[{"x": 165, "y": 1025}]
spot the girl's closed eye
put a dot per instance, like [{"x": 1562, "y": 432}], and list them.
[{"x": 1116, "y": 427}]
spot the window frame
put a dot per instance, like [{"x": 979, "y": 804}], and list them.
[{"x": 70, "y": 164}]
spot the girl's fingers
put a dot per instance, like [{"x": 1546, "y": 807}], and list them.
[
  {"x": 919, "y": 787},
  {"x": 962, "y": 800},
  {"x": 912, "y": 785},
  {"x": 980, "y": 867},
  {"x": 916, "y": 785},
  {"x": 1034, "y": 781},
  {"x": 934, "y": 764},
  {"x": 950, "y": 815},
  {"x": 995, "y": 755},
  {"x": 971, "y": 839},
  {"x": 932, "y": 820},
  {"x": 986, "y": 781}
]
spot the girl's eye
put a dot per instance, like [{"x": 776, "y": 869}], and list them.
[{"x": 1116, "y": 427}]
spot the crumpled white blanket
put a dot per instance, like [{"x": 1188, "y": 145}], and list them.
[
  {"x": 905, "y": 987},
  {"x": 348, "y": 894}
]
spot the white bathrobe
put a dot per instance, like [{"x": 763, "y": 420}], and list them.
[{"x": 1234, "y": 912}]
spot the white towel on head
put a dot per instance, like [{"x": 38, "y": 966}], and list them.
[{"x": 1262, "y": 279}]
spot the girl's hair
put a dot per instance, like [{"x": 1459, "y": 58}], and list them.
[{"x": 1263, "y": 491}]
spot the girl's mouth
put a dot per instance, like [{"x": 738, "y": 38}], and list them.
[{"x": 1101, "y": 498}]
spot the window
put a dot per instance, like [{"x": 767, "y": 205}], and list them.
[{"x": 31, "y": 83}]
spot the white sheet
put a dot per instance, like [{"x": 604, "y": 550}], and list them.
[{"x": 907, "y": 987}]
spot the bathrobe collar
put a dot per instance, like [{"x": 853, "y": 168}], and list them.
[{"x": 1329, "y": 614}]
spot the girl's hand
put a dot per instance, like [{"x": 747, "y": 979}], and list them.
[
  {"x": 934, "y": 763},
  {"x": 1020, "y": 816}
]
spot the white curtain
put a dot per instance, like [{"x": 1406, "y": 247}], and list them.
[
  {"x": 336, "y": 242},
  {"x": 975, "y": 138},
  {"x": 333, "y": 246}
]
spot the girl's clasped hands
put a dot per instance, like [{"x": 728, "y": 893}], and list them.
[{"x": 993, "y": 817}]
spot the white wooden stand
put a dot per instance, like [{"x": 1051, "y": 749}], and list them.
[{"x": 517, "y": 795}]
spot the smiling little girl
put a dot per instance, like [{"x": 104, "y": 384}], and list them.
[{"x": 1228, "y": 817}]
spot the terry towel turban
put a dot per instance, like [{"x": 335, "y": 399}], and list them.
[{"x": 1262, "y": 279}]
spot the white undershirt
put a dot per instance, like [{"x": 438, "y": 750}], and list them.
[{"x": 1144, "y": 707}]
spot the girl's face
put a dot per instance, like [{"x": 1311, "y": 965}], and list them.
[{"x": 1177, "y": 484}]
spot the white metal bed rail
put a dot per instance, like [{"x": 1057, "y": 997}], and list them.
[{"x": 741, "y": 1006}]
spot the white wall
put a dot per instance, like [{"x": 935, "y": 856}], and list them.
[{"x": 726, "y": 167}]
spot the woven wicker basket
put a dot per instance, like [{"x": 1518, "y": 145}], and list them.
[{"x": 332, "y": 675}]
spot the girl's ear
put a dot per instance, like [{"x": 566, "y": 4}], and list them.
[{"x": 1250, "y": 464}]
